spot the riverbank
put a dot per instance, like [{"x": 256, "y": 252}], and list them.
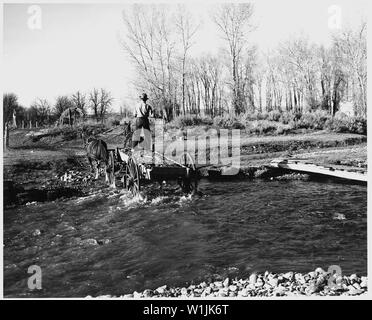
[
  {"x": 314, "y": 283},
  {"x": 49, "y": 168}
]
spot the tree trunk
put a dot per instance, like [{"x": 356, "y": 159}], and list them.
[
  {"x": 6, "y": 137},
  {"x": 183, "y": 85}
]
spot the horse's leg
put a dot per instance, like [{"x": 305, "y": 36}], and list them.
[
  {"x": 91, "y": 164},
  {"x": 111, "y": 173},
  {"x": 106, "y": 174},
  {"x": 96, "y": 170},
  {"x": 112, "y": 180}
]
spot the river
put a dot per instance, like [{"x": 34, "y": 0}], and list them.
[{"x": 110, "y": 243}]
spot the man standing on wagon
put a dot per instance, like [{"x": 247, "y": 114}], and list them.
[{"x": 142, "y": 113}]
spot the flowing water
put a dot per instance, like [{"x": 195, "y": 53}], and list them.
[{"x": 110, "y": 243}]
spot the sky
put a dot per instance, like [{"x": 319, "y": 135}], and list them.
[{"x": 78, "y": 47}]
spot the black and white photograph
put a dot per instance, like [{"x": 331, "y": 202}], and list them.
[{"x": 184, "y": 151}]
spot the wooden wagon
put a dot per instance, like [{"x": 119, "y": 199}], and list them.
[{"x": 136, "y": 168}]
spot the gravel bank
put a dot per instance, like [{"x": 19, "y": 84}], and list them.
[{"x": 315, "y": 283}]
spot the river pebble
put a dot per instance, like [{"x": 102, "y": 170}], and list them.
[
  {"x": 252, "y": 278},
  {"x": 317, "y": 282},
  {"x": 89, "y": 242},
  {"x": 36, "y": 233}
]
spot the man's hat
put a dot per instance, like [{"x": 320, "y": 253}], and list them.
[{"x": 143, "y": 96}]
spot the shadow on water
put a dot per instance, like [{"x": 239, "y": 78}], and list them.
[{"x": 111, "y": 243}]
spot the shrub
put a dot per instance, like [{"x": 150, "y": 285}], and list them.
[
  {"x": 252, "y": 116},
  {"x": 115, "y": 122},
  {"x": 343, "y": 123},
  {"x": 237, "y": 124},
  {"x": 306, "y": 121},
  {"x": 274, "y": 115},
  {"x": 336, "y": 125},
  {"x": 357, "y": 125},
  {"x": 222, "y": 122},
  {"x": 227, "y": 122},
  {"x": 70, "y": 133},
  {"x": 287, "y": 117},
  {"x": 283, "y": 128},
  {"x": 190, "y": 120},
  {"x": 260, "y": 127},
  {"x": 319, "y": 119},
  {"x": 310, "y": 120},
  {"x": 275, "y": 122}
]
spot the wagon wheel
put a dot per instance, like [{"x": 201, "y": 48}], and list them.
[
  {"x": 189, "y": 183},
  {"x": 132, "y": 178}
]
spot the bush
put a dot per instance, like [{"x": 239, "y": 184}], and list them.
[
  {"x": 342, "y": 123},
  {"x": 310, "y": 120},
  {"x": 274, "y": 115},
  {"x": 224, "y": 122},
  {"x": 115, "y": 122},
  {"x": 306, "y": 121},
  {"x": 254, "y": 116},
  {"x": 288, "y": 117},
  {"x": 358, "y": 125},
  {"x": 260, "y": 127},
  {"x": 238, "y": 125},
  {"x": 70, "y": 133},
  {"x": 227, "y": 122},
  {"x": 319, "y": 118},
  {"x": 275, "y": 122},
  {"x": 283, "y": 129},
  {"x": 190, "y": 120}
]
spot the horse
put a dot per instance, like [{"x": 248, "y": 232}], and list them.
[{"x": 98, "y": 154}]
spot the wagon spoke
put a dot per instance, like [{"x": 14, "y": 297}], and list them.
[{"x": 133, "y": 179}]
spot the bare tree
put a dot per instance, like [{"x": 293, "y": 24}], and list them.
[
  {"x": 79, "y": 100},
  {"x": 351, "y": 49},
  {"x": 234, "y": 22},
  {"x": 186, "y": 28},
  {"x": 298, "y": 76},
  {"x": 301, "y": 60},
  {"x": 62, "y": 103},
  {"x": 10, "y": 104},
  {"x": 151, "y": 45},
  {"x": 100, "y": 102},
  {"x": 105, "y": 101},
  {"x": 94, "y": 102},
  {"x": 41, "y": 111}
]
